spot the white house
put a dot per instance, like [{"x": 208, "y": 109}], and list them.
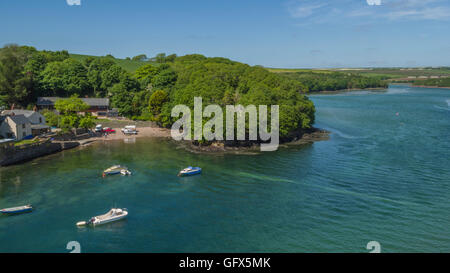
[
  {"x": 33, "y": 116},
  {"x": 16, "y": 126},
  {"x": 36, "y": 119}
]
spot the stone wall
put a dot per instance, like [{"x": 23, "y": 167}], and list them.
[{"x": 10, "y": 154}]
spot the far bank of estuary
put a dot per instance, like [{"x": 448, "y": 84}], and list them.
[{"x": 382, "y": 176}]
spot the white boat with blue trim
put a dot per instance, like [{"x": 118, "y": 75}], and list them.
[
  {"x": 190, "y": 171},
  {"x": 17, "y": 210}
]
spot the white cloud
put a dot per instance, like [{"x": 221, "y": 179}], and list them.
[
  {"x": 436, "y": 13},
  {"x": 326, "y": 11},
  {"x": 373, "y": 2},
  {"x": 299, "y": 11},
  {"x": 73, "y": 2}
]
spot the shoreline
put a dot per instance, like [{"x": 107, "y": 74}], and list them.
[
  {"x": 218, "y": 147},
  {"x": 346, "y": 90},
  {"x": 143, "y": 132},
  {"x": 430, "y": 86},
  {"x": 248, "y": 148}
]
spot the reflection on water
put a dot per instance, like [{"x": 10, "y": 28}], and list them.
[{"x": 381, "y": 176}]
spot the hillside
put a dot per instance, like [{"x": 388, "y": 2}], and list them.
[
  {"x": 128, "y": 65},
  {"x": 152, "y": 90}
]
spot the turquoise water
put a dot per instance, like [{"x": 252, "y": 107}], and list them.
[{"x": 381, "y": 177}]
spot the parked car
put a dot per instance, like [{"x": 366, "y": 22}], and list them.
[
  {"x": 129, "y": 127},
  {"x": 129, "y": 132},
  {"x": 98, "y": 128},
  {"x": 109, "y": 130}
]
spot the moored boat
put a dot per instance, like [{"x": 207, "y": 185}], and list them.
[
  {"x": 125, "y": 172},
  {"x": 190, "y": 171},
  {"x": 113, "y": 215},
  {"x": 116, "y": 169},
  {"x": 17, "y": 210}
]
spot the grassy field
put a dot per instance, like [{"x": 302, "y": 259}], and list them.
[
  {"x": 26, "y": 141},
  {"x": 401, "y": 72},
  {"x": 128, "y": 65},
  {"x": 385, "y": 73},
  {"x": 293, "y": 70}
]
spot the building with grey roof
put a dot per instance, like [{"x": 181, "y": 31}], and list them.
[
  {"x": 97, "y": 106},
  {"x": 15, "y": 126}
]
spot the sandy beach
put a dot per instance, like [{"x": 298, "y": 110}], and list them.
[{"x": 142, "y": 132}]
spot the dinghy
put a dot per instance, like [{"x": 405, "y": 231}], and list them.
[
  {"x": 190, "y": 171},
  {"x": 125, "y": 172},
  {"x": 17, "y": 210},
  {"x": 111, "y": 216},
  {"x": 114, "y": 170}
]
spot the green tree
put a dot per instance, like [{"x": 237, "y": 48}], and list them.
[
  {"x": 160, "y": 58},
  {"x": 147, "y": 71},
  {"x": 165, "y": 78},
  {"x": 111, "y": 76},
  {"x": 51, "y": 118},
  {"x": 65, "y": 78},
  {"x": 157, "y": 99},
  {"x": 13, "y": 82},
  {"x": 171, "y": 58},
  {"x": 141, "y": 57},
  {"x": 87, "y": 121},
  {"x": 71, "y": 105},
  {"x": 122, "y": 95},
  {"x": 67, "y": 122}
]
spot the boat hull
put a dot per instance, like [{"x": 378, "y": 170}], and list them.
[
  {"x": 16, "y": 211},
  {"x": 111, "y": 220},
  {"x": 191, "y": 173},
  {"x": 112, "y": 172}
]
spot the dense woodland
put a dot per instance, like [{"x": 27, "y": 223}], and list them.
[
  {"x": 150, "y": 92},
  {"x": 442, "y": 82},
  {"x": 333, "y": 81}
]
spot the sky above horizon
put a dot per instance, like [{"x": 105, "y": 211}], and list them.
[{"x": 286, "y": 33}]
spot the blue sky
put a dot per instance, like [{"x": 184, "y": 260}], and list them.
[{"x": 286, "y": 33}]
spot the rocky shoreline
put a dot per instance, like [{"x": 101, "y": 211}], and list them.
[
  {"x": 253, "y": 147},
  {"x": 14, "y": 155}
]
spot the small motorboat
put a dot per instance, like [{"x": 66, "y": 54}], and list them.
[
  {"x": 116, "y": 169},
  {"x": 125, "y": 172},
  {"x": 17, "y": 210},
  {"x": 190, "y": 171},
  {"x": 111, "y": 216}
]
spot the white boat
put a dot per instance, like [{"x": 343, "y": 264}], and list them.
[
  {"x": 190, "y": 171},
  {"x": 111, "y": 216},
  {"x": 17, "y": 210},
  {"x": 125, "y": 172},
  {"x": 114, "y": 170}
]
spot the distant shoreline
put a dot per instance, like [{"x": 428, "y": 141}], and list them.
[
  {"x": 346, "y": 90},
  {"x": 430, "y": 86}
]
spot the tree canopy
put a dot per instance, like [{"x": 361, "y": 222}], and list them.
[{"x": 161, "y": 83}]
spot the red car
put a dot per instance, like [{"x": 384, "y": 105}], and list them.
[{"x": 109, "y": 130}]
